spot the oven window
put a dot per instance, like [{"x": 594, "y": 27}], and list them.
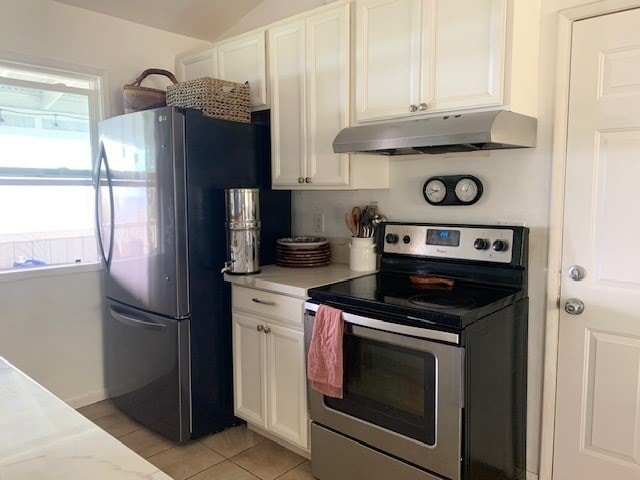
[{"x": 389, "y": 386}]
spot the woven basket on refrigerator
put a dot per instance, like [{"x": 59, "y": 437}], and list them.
[
  {"x": 216, "y": 98},
  {"x": 136, "y": 98}
]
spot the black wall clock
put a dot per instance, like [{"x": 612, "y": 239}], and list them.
[{"x": 452, "y": 190}]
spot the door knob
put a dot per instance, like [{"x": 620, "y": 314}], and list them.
[
  {"x": 423, "y": 106},
  {"x": 300, "y": 180},
  {"x": 413, "y": 108},
  {"x": 576, "y": 272},
  {"x": 260, "y": 328},
  {"x": 573, "y": 306},
  {"x": 267, "y": 330}
]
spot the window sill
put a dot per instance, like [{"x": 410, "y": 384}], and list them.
[{"x": 53, "y": 271}]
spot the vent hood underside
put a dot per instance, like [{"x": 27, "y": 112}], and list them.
[{"x": 452, "y": 133}]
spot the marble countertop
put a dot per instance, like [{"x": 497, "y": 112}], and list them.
[
  {"x": 41, "y": 437},
  {"x": 294, "y": 281}
]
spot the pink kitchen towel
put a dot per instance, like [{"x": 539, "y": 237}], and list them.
[{"x": 324, "y": 361}]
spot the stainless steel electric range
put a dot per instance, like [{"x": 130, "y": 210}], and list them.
[{"x": 435, "y": 355}]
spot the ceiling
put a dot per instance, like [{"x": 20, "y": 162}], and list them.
[{"x": 203, "y": 19}]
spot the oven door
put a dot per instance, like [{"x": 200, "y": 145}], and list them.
[{"x": 403, "y": 392}]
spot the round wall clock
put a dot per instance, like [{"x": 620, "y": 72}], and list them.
[
  {"x": 434, "y": 191},
  {"x": 467, "y": 189},
  {"x": 452, "y": 190}
]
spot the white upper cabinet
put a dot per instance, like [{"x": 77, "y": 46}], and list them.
[
  {"x": 327, "y": 74},
  {"x": 309, "y": 77},
  {"x": 242, "y": 59},
  {"x": 417, "y": 57},
  {"x": 197, "y": 65},
  {"x": 387, "y": 57},
  {"x": 464, "y": 43},
  {"x": 288, "y": 111},
  {"x": 309, "y": 65},
  {"x": 238, "y": 59}
]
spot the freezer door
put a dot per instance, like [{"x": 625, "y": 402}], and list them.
[
  {"x": 142, "y": 216},
  {"x": 147, "y": 369}
]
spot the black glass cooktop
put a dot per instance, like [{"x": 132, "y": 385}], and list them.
[{"x": 449, "y": 302}]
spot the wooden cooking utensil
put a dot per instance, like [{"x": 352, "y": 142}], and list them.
[
  {"x": 356, "y": 213},
  {"x": 348, "y": 219}
]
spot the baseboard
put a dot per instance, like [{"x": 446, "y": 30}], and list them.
[{"x": 88, "y": 399}]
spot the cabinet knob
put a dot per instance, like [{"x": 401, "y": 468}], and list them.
[
  {"x": 260, "y": 328},
  {"x": 267, "y": 330},
  {"x": 423, "y": 106},
  {"x": 307, "y": 180},
  {"x": 300, "y": 180},
  {"x": 413, "y": 108}
]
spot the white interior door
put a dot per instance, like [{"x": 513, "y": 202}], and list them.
[{"x": 597, "y": 432}]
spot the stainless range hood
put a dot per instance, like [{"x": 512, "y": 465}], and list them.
[{"x": 466, "y": 132}]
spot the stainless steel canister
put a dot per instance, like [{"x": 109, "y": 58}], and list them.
[{"x": 243, "y": 230}]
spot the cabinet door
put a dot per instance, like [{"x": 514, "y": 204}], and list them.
[
  {"x": 288, "y": 111},
  {"x": 286, "y": 376},
  {"x": 388, "y": 58},
  {"x": 249, "y": 369},
  {"x": 197, "y": 65},
  {"x": 327, "y": 95},
  {"x": 468, "y": 54},
  {"x": 243, "y": 60}
]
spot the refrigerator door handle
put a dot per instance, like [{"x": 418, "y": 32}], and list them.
[
  {"x": 102, "y": 157},
  {"x": 136, "y": 322}
]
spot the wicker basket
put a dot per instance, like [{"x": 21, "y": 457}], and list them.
[
  {"x": 136, "y": 98},
  {"x": 216, "y": 98}
]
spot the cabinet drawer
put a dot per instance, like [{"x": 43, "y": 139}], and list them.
[{"x": 272, "y": 305}]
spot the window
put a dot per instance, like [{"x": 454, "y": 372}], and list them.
[{"x": 47, "y": 122}]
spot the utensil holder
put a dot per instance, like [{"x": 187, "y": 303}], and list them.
[{"x": 362, "y": 255}]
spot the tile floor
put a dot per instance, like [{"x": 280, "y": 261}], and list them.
[{"x": 234, "y": 454}]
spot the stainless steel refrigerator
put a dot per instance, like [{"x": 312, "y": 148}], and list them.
[{"x": 160, "y": 178}]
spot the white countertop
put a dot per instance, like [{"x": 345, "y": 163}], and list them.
[
  {"x": 41, "y": 437},
  {"x": 294, "y": 281}
]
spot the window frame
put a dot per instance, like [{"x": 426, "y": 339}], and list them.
[{"x": 97, "y": 96}]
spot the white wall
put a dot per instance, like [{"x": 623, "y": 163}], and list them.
[
  {"x": 51, "y": 325},
  {"x": 61, "y": 33},
  {"x": 52, "y": 330},
  {"x": 270, "y": 11}
]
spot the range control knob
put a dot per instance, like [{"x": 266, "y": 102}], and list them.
[
  {"x": 391, "y": 238},
  {"x": 406, "y": 239},
  {"x": 480, "y": 244},
  {"x": 499, "y": 246}
]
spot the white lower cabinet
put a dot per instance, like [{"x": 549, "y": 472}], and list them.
[
  {"x": 249, "y": 370},
  {"x": 286, "y": 384},
  {"x": 269, "y": 372}
]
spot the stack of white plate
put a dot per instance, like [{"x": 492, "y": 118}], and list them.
[{"x": 303, "y": 252}]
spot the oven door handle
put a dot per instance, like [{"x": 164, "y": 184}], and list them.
[{"x": 383, "y": 326}]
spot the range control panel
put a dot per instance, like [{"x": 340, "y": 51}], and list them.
[{"x": 489, "y": 244}]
